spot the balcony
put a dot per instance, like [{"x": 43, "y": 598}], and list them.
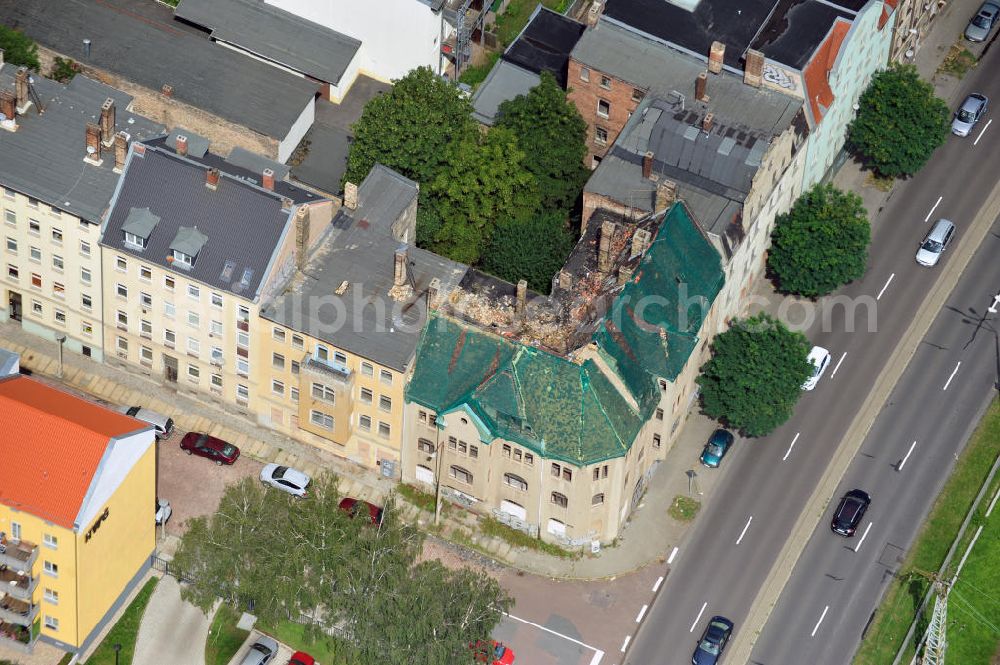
[
  {"x": 17, "y": 638},
  {"x": 18, "y": 555},
  {"x": 326, "y": 368},
  {"x": 19, "y": 585},
  {"x": 17, "y": 612}
]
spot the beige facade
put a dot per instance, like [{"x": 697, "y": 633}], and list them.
[{"x": 913, "y": 19}]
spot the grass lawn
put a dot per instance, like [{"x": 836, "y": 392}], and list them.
[
  {"x": 958, "y": 61},
  {"x": 512, "y": 21},
  {"x": 126, "y": 630},
  {"x": 684, "y": 508},
  {"x": 903, "y": 597},
  {"x": 477, "y": 73},
  {"x": 224, "y": 638},
  {"x": 294, "y": 635}
]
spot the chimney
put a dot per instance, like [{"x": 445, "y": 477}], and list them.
[
  {"x": 716, "y": 56},
  {"x": 640, "y": 241},
  {"x": 121, "y": 151},
  {"x": 267, "y": 179},
  {"x": 8, "y": 107},
  {"x": 433, "y": 290},
  {"x": 181, "y": 145},
  {"x": 700, "y": 84},
  {"x": 522, "y": 297},
  {"x": 706, "y": 122},
  {"x": 594, "y": 14},
  {"x": 167, "y": 90},
  {"x": 399, "y": 268},
  {"x": 21, "y": 88},
  {"x": 647, "y": 165},
  {"x": 753, "y": 71},
  {"x": 666, "y": 194},
  {"x": 93, "y": 142},
  {"x": 212, "y": 179},
  {"x": 625, "y": 274},
  {"x": 608, "y": 229},
  {"x": 301, "y": 235},
  {"x": 350, "y": 196},
  {"x": 286, "y": 203},
  {"x": 108, "y": 122}
]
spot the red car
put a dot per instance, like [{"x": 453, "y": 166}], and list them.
[
  {"x": 219, "y": 451},
  {"x": 493, "y": 652},
  {"x": 357, "y": 506},
  {"x": 301, "y": 658}
]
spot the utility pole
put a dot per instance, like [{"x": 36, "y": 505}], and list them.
[{"x": 937, "y": 644}]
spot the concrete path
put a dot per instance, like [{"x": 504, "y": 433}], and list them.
[{"x": 171, "y": 630}]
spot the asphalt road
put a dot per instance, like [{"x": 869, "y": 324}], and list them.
[{"x": 768, "y": 481}]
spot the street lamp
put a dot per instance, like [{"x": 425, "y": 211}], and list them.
[{"x": 61, "y": 339}]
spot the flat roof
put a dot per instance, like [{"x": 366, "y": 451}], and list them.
[
  {"x": 504, "y": 82},
  {"x": 545, "y": 43},
  {"x": 798, "y": 28}
]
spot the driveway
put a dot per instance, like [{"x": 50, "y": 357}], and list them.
[
  {"x": 283, "y": 656},
  {"x": 171, "y": 629}
]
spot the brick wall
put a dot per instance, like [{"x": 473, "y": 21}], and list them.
[{"x": 621, "y": 97}]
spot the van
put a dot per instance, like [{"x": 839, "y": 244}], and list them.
[
  {"x": 935, "y": 243},
  {"x": 163, "y": 425}
]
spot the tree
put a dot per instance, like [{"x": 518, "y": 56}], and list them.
[
  {"x": 552, "y": 134},
  {"x": 532, "y": 248},
  {"x": 821, "y": 243},
  {"x": 755, "y": 375},
  {"x": 900, "y": 122},
  {"x": 18, "y": 48},
  {"x": 410, "y": 128}
]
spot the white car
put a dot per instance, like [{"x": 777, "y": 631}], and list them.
[
  {"x": 286, "y": 479},
  {"x": 163, "y": 425},
  {"x": 819, "y": 358}
]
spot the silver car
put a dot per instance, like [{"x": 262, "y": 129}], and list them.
[
  {"x": 982, "y": 23},
  {"x": 163, "y": 425},
  {"x": 969, "y": 113},
  {"x": 935, "y": 243},
  {"x": 261, "y": 652}
]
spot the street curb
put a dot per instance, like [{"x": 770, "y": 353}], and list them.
[{"x": 813, "y": 511}]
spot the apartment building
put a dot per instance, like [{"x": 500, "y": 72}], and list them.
[
  {"x": 63, "y": 149},
  {"x": 77, "y": 490},
  {"x": 190, "y": 247}
]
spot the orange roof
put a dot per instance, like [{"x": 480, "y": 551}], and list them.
[
  {"x": 817, "y": 72},
  {"x": 51, "y": 443}
]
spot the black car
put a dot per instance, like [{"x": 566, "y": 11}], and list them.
[
  {"x": 713, "y": 641},
  {"x": 850, "y": 510}
]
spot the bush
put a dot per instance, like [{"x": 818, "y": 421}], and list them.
[
  {"x": 63, "y": 70},
  {"x": 532, "y": 249},
  {"x": 18, "y": 48}
]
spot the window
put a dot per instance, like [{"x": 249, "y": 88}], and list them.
[
  {"x": 146, "y": 328},
  {"x": 215, "y": 328},
  {"x": 243, "y": 367},
  {"x": 51, "y": 623},
  {"x": 122, "y": 345},
  {"x": 8, "y": 193},
  {"x": 58, "y": 290},
  {"x": 12, "y": 271},
  {"x": 217, "y": 381},
  {"x": 242, "y": 393},
  {"x": 606, "y": 82},
  {"x": 85, "y": 275},
  {"x": 517, "y": 482},
  {"x": 15, "y": 530},
  {"x": 50, "y": 541},
  {"x": 585, "y": 73},
  {"x": 36, "y": 255},
  {"x": 385, "y": 376},
  {"x": 384, "y": 403},
  {"x": 460, "y": 474},
  {"x": 366, "y": 395},
  {"x": 637, "y": 95},
  {"x": 121, "y": 290},
  {"x": 277, "y": 361},
  {"x": 52, "y": 596},
  {"x": 121, "y": 263},
  {"x": 216, "y": 357},
  {"x": 529, "y": 459},
  {"x": 146, "y": 355},
  {"x": 597, "y": 499},
  {"x": 57, "y": 236},
  {"x": 185, "y": 260},
  {"x": 87, "y": 328},
  {"x": 243, "y": 313},
  {"x": 559, "y": 499},
  {"x": 51, "y": 569},
  {"x": 506, "y": 450},
  {"x": 33, "y": 203},
  {"x": 194, "y": 373},
  {"x": 145, "y": 273},
  {"x": 12, "y": 245},
  {"x": 277, "y": 387},
  {"x": 384, "y": 430},
  {"x": 600, "y": 135},
  {"x": 294, "y": 394},
  {"x": 365, "y": 423},
  {"x": 216, "y": 300},
  {"x": 194, "y": 346},
  {"x": 474, "y": 452},
  {"x": 34, "y": 227},
  {"x": 295, "y": 367},
  {"x": 663, "y": 384},
  {"x": 193, "y": 292},
  {"x": 169, "y": 338},
  {"x": 604, "y": 471},
  {"x": 425, "y": 446},
  {"x": 194, "y": 320},
  {"x": 659, "y": 414},
  {"x": 36, "y": 280},
  {"x": 367, "y": 369},
  {"x": 122, "y": 320},
  {"x": 168, "y": 282},
  {"x": 298, "y": 342},
  {"x": 85, "y": 248},
  {"x": 556, "y": 470},
  {"x": 325, "y": 393},
  {"x": 36, "y": 307},
  {"x": 321, "y": 419},
  {"x": 656, "y": 441},
  {"x": 10, "y": 217},
  {"x": 603, "y": 108},
  {"x": 169, "y": 310},
  {"x": 278, "y": 334},
  {"x": 60, "y": 316}
]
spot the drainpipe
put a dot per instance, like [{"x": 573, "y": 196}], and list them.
[{"x": 437, "y": 476}]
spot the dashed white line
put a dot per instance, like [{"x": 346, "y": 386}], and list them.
[
  {"x": 887, "y": 282},
  {"x": 863, "y": 536},
  {"x": 993, "y": 502},
  {"x": 927, "y": 218},
  {"x": 789, "y": 451},
  {"x": 987, "y": 126},
  {"x": 656, "y": 586},
  {"x": 628, "y": 638},
  {"x": 821, "y": 617},
  {"x": 698, "y": 618},
  {"x": 953, "y": 373},
  {"x": 906, "y": 456},
  {"x": 744, "y": 531},
  {"x": 642, "y": 613},
  {"x": 834, "y": 372},
  {"x": 670, "y": 559}
]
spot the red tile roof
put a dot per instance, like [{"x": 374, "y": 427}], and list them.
[
  {"x": 817, "y": 72},
  {"x": 50, "y": 445}
]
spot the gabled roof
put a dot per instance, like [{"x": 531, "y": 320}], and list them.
[
  {"x": 817, "y": 71},
  {"x": 51, "y": 444}
]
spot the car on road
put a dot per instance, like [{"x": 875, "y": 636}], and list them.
[
  {"x": 355, "y": 507},
  {"x": 713, "y": 641},
  {"x": 205, "y": 445},
  {"x": 716, "y": 448},
  {"x": 163, "y": 511},
  {"x": 163, "y": 425},
  {"x": 850, "y": 510},
  {"x": 301, "y": 658},
  {"x": 935, "y": 242},
  {"x": 286, "y": 479},
  {"x": 261, "y": 652},
  {"x": 969, "y": 113},
  {"x": 982, "y": 23},
  {"x": 819, "y": 358}
]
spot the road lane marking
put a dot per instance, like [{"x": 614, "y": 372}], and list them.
[
  {"x": 628, "y": 638},
  {"x": 862, "y": 541},
  {"x": 698, "y": 618},
  {"x": 744, "y": 531},
  {"x": 993, "y": 502},
  {"x": 834, "y": 372},
  {"x": 789, "y": 451},
  {"x": 927, "y": 218},
  {"x": 906, "y": 457},
  {"x": 821, "y": 617},
  {"x": 598, "y": 654},
  {"x": 887, "y": 282},
  {"x": 953, "y": 373},
  {"x": 670, "y": 559},
  {"x": 642, "y": 613},
  {"x": 659, "y": 581},
  {"x": 976, "y": 142},
  {"x": 596, "y": 660}
]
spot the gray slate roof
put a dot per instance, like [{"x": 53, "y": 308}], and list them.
[
  {"x": 504, "y": 82},
  {"x": 242, "y": 224},
  {"x": 275, "y": 34},
  {"x": 44, "y": 157},
  {"x": 153, "y": 53},
  {"x": 360, "y": 250}
]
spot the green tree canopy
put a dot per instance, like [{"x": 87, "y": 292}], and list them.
[
  {"x": 755, "y": 375},
  {"x": 18, "y": 48},
  {"x": 900, "y": 122},
  {"x": 410, "y": 128},
  {"x": 532, "y": 248},
  {"x": 552, "y": 134},
  {"x": 821, "y": 243}
]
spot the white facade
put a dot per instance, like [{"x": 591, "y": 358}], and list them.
[{"x": 297, "y": 131}]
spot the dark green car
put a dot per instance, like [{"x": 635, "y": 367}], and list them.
[{"x": 716, "y": 448}]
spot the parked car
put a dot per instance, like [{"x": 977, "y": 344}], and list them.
[
  {"x": 286, "y": 479},
  {"x": 716, "y": 448},
  {"x": 819, "y": 358},
  {"x": 713, "y": 641},
  {"x": 163, "y": 511},
  {"x": 357, "y": 507},
  {"x": 969, "y": 113},
  {"x": 301, "y": 658},
  {"x": 261, "y": 652},
  {"x": 935, "y": 242},
  {"x": 204, "y": 445},
  {"x": 163, "y": 425},
  {"x": 849, "y": 512},
  {"x": 492, "y": 652},
  {"x": 982, "y": 23}
]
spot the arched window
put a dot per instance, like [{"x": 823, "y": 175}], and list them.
[
  {"x": 460, "y": 474},
  {"x": 560, "y": 499},
  {"x": 425, "y": 446},
  {"x": 597, "y": 499},
  {"x": 517, "y": 482}
]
